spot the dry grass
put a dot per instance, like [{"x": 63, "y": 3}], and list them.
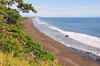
[{"x": 9, "y": 60}]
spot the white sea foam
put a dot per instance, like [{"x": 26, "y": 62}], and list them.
[
  {"x": 86, "y": 39},
  {"x": 86, "y": 42}
]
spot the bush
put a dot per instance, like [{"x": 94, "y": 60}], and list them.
[
  {"x": 44, "y": 54},
  {"x": 3, "y": 25}
]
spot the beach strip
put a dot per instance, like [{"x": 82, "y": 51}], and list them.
[{"x": 61, "y": 52}]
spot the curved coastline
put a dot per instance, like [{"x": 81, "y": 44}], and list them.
[{"x": 61, "y": 52}]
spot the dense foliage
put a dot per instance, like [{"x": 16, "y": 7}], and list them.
[
  {"x": 12, "y": 15},
  {"x": 13, "y": 42},
  {"x": 13, "y": 39}
]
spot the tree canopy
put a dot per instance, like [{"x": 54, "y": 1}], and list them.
[{"x": 11, "y": 15}]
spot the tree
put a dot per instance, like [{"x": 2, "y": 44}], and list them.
[{"x": 11, "y": 15}]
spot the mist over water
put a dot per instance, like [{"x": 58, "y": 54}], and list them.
[{"x": 84, "y": 33}]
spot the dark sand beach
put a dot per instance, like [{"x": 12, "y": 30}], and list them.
[{"x": 61, "y": 52}]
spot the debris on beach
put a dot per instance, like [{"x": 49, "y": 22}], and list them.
[
  {"x": 98, "y": 60},
  {"x": 66, "y": 36}
]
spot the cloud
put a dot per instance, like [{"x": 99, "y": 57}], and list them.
[
  {"x": 41, "y": 4},
  {"x": 47, "y": 8},
  {"x": 47, "y": 11}
]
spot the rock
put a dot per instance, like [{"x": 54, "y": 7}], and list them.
[
  {"x": 88, "y": 53},
  {"x": 98, "y": 60},
  {"x": 66, "y": 36}
]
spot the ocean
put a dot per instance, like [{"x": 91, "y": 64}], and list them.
[{"x": 83, "y": 32}]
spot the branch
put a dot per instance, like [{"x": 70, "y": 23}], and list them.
[
  {"x": 8, "y": 6},
  {"x": 6, "y": 19},
  {"x": 20, "y": 10}
]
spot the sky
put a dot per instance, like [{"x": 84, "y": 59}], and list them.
[{"x": 64, "y": 8}]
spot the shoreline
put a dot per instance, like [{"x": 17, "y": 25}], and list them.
[{"x": 61, "y": 52}]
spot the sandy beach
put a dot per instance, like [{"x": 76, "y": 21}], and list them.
[{"x": 61, "y": 52}]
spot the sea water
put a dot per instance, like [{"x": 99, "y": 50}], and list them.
[{"x": 83, "y": 32}]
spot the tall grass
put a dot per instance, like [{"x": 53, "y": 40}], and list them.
[{"x": 9, "y": 60}]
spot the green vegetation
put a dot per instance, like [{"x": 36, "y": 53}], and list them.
[
  {"x": 17, "y": 48},
  {"x": 23, "y": 60}
]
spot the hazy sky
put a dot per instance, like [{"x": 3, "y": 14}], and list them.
[{"x": 65, "y": 8}]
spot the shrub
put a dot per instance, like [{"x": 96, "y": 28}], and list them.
[{"x": 44, "y": 54}]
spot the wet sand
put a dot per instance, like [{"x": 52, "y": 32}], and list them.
[{"x": 61, "y": 52}]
